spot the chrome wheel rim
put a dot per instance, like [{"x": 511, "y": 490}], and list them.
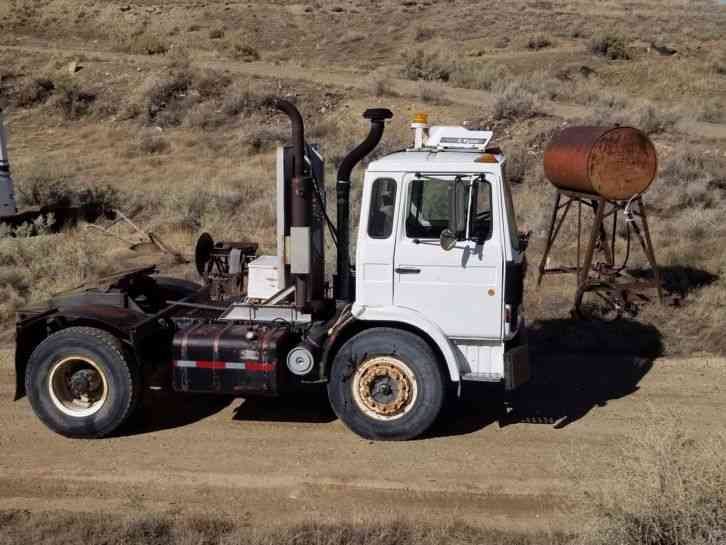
[
  {"x": 385, "y": 388},
  {"x": 77, "y": 386}
]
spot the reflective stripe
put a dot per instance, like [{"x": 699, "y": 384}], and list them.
[{"x": 235, "y": 365}]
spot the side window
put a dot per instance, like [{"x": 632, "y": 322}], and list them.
[
  {"x": 480, "y": 215},
  {"x": 382, "y": 210},
  {"x": 428, "y": 208}
]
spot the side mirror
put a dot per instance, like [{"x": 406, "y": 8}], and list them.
[
  {"x": 447, "y": 239},
  {"x": 457, "y": 209}
]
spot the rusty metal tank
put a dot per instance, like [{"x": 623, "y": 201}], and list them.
[{"x": 613, "y": 162}]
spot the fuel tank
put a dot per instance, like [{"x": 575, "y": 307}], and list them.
[
  {"x": 227, "y": 358},
  {"x": 613, "y": 162}
]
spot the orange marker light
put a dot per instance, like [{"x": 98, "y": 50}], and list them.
[
  {"x": 486, "y": 158},
  {"x": 421, "y": 118}
]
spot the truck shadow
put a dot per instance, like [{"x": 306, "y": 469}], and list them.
[
  {"x": 576, "y": 366},
  {"x": 164, "y": 410},
  {"x": 310, "y": 407}
]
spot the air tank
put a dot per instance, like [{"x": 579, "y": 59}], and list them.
[{"x": 613, "y": 162}]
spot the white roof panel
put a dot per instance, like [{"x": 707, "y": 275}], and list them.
[{"x": 431, "y": 161}]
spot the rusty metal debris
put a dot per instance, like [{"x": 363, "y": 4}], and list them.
[{"x": 143, "y": 237}]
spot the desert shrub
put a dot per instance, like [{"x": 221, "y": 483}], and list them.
[
  {"x": 35, "y": 267},
  {"x": 611, "y": 46},
  {"x": 157, "y": 529},
  {"x": 651, "y": 120},
  {"x": 244, "y": 52},
  {"x": 261, "y": 138},
  {"x": 205, "y": 115},
  {"x": 47, "y": 185},
  {"x": 483, "y": 76},
  {"x": 717, "y": 64},
  {"x": 168, "y": 101},
  {"x": 519, "y": 163},
  {"x": 381, "y": 87},
  {"x": 422, "y": 33},
  {"x": 429, "y": 66},
  {"x": 541, "y": 84},
  {"x": 513, "y": 103},
  {"x": 687, "y": 179},
  {"x": 34, "y": 92},
  {"x": 143, "y": 43},
  {"x": 713, "y": 111},
  {"x": 71, "y": 100},
  {"x": 432, "y": 93},
  {"x": 538, "y": 41},
  {"x": 216, "y": 33},
  {"x": 149, "y": 143},
  {"x": 240, "y": 100},
  {"x": 669, "y": 489}
]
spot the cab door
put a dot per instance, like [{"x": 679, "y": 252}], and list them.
[{"x": 461, "y": 288}]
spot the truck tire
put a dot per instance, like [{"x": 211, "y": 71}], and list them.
[
  {"x": 386, "y": 384},
  {"x": 80, "y": 384}
]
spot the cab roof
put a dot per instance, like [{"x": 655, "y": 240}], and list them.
[{"x": 430, "y": 160}]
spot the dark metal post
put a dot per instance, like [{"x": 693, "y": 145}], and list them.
[
  {"x": 7, "y": 195},
  {"x": 594, "y": 234},
  {"x": 301, "y": 201}
]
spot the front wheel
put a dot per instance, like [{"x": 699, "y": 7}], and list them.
[
  {"x": 386, "y": 384},
  {"x": 80, "y": 383}
]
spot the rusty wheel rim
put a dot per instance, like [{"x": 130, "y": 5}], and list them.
[{"x": 385, "y": 388}]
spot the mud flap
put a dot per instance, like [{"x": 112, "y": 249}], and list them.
[{"x": 516, "y": 367}]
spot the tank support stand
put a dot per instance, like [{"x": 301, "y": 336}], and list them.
[{"x": 605, "y": 288}]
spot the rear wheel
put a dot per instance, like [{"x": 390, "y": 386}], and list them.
[
  {"x": 386, "y": 384},
  {"x": 80, "y": 383}
]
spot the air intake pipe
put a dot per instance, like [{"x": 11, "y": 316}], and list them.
[
  {"x": 378, "y": 118},
  {"x": 301, "y": 205},
  {"x": 7, "y": 196}
]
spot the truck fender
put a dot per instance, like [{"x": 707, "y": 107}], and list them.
[
  {"x": 33, "y": 330},
  {"x": 417, "y": 321}
]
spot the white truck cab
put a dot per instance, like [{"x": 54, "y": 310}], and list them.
[{"x": 438, "y": 248}]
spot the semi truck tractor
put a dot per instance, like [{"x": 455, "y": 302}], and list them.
[{"x": 432, "y": 301}]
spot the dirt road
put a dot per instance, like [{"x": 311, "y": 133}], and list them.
[{"x": 280, "y": 461}]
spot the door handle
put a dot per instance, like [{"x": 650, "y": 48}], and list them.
[{"x": 407, "y": 270}]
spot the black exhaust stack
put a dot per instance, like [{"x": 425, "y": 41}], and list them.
[
  {"x": 301, "y": 204},
  {"x": 378, "y": 117}
]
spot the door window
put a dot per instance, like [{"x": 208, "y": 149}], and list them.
[
  {"x": 480, "y": 215},
  {"x": 383, "y": 200},
  {"x": 428, "y": 208}
]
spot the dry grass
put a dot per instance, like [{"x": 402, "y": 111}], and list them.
[
  {"x": 60, "y": 529},
  {"x": 667, "y": 488}
]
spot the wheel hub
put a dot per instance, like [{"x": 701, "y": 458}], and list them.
[
  {"x": 385, "y": 387},
  {"x": 85, "y": 382},
  {"x": 77, "y": 386}
]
